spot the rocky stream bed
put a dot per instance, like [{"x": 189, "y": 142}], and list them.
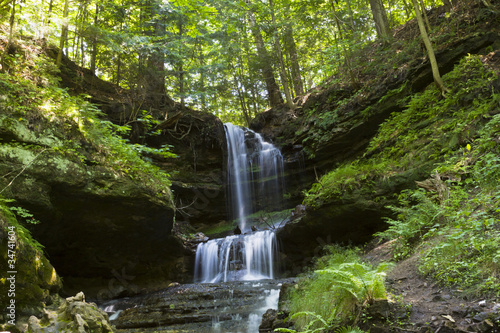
[{"x": 224, "y": 307}]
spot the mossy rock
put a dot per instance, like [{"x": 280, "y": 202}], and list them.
[{"x": 36, "y": 281}]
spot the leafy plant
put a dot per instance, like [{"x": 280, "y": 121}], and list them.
[{"x": 337, "y": 291}]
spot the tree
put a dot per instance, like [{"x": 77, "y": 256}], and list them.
[
  {"x": 281, "y": 62},
  {"x": 264, "y": 61},
  {"x": 430, "y": 50},
  {"x": 64, "y": 33},
  {"x": 380, "y": 18},
  {"x": 291, "y": 50}
]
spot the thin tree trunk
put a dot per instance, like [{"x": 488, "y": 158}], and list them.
[
  {"x": 281, "y": 63},
  {"x": 64, "y": 33},
  {"x": 424, "y": 12},
  {"x": 180, "y": 68},
  {"x": 347, "y": 53},
  {"x": 11, "y": 24},
  {"x": 46, "y": 27},
  {"x": 93, "y": 58},
  {"x": 430, "y": 51},
  {"x": 243, "y": 105},
  {"x": 11, "y": 34},
  {"x": 380, "y": 18},
  {"x": 291, "y": 48},
  {"x": 273, "y": 91},
  {"x": 351, "y": 16}
]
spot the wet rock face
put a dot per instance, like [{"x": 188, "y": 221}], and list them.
[{"x": 198, "y": 175}]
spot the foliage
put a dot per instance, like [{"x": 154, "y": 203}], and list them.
[
  {"x": 21, "y": 232},
  {"x": 30, "y": 94},
  {"x": 417, "y": 215},
  {"x": 337, "y": 291},
  {"x": 429, "y": 130},
  {"x": 345, "y": 179},
  {"x": 210, "y": 57},
  {"x": 459, "y": 235}
]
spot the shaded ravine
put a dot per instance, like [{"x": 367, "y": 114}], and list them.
[{"x": 235, "y": 274}]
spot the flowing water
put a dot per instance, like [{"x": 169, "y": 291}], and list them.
[
  {"x": 255, "y": 181},
  {"x": 234, "y": 276}
]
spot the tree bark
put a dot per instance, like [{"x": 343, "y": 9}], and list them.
[
  {"x": 424, "y": 14},
  {"x": 154, "y": 77},
  {"x": 430, "y": 51},
  {"x": 380, "y": 18},
  {"x": 11, "y": 34},
  {"x": 273, "y": 91},
  {"x": 64, "y": 33},
  {"x": 93, "y": 58},
  {"x": 291, "y": 49},
  {"x": 281, "y": 63}
]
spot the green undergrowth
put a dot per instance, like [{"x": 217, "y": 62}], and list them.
[
  {"x": 451, "y": 220},
  {"x": 454, "y": 225},
  {"x": 336, "y": 292},
  {"x": 67, "y": 125},
  {"x": 427, "y": 132}
]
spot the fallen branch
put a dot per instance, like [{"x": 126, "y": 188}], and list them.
[{"x": 25, "y": 167}]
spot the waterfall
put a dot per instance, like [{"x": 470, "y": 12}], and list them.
[
  {"x": 255, "y": 182},
  {"x": 236, "y": 258},
  {"x": 254, "y": 173}
]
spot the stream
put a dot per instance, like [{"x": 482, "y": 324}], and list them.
[
  {"x": 235, "y": 277},
  {"x": 224, "y": 307}
]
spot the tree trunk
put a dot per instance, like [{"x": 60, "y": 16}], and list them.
[
  {"x": 273, "y": 91},
  {"x": 243, "y": 104},
  {"x": 64, "y": 33},
  {"x": 281, "y": 63},
  {"x": 380, "y": 18},
  {"x": 154, "y": 78},
  {"x": 180, "y": 68},
  {"x": 291, "y": 49},
  {"x": 93, "y": 58},
  {"x": 11, "y": 24},
  {"x": 351, "y": 16},
  {"x": 11, "y": 34},
  {"x": 347, "y": 53},
  {"x": 430, "y": 51},
  {"x": 424, "y": 14}
]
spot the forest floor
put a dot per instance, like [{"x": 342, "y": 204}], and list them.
[{"x": 431, "y": 307}]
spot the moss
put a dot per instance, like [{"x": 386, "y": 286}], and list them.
[
  {"x": 413, "y": 141},
  {"x": 36, "y": 278}
]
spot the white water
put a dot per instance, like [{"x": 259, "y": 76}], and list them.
[
  {"x": 236, "y": 258},
  {"x": 254, "y": 170},
  {"x": 254, "y": 174}
]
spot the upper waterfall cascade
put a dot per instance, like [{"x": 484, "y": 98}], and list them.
[{"x": 255, "y": 182}]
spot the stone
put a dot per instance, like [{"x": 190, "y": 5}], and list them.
[{"x": 74, "y": 315}]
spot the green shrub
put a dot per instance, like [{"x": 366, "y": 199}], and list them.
[{"x": 336, "y": 292}]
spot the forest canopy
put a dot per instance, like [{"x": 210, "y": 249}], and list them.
[{"x": 232, "y": 58}]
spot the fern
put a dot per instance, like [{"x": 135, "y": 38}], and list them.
[
  {"x": 337, "y": 292},
  {"x": 349, "y": 329}
]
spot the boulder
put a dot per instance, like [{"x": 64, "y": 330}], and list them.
[{"x": 74, "y": 315}]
